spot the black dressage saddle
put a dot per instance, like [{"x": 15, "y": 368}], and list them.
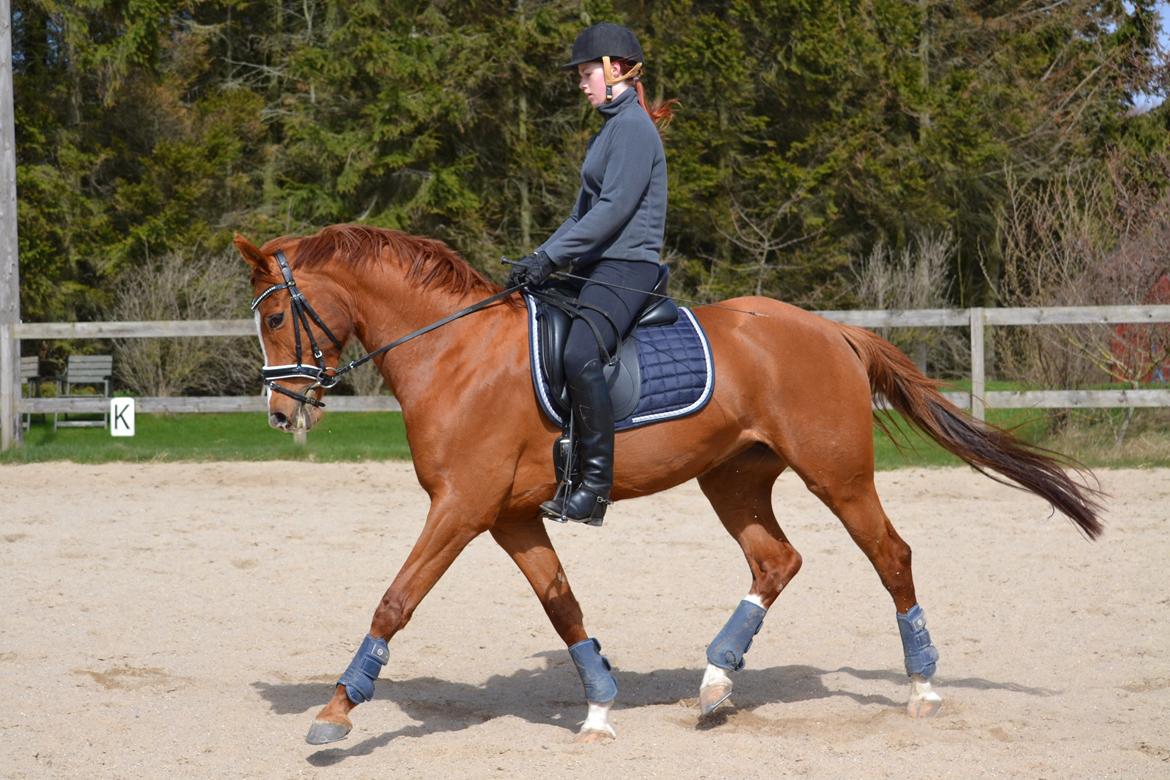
[{"x": 622, "y": 373}]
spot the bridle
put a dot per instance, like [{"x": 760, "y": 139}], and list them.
[{"x": 303, "y": 315}]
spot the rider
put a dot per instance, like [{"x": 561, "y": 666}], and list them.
[{"x": 614, "y": 238}]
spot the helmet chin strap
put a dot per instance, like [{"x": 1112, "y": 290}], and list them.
[{"x": 607, "y": 71}]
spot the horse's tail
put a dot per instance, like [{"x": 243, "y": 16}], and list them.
[{"x": 983, "y": 446}]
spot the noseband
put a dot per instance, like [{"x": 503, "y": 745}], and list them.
[{"x": 303, "y": 315}]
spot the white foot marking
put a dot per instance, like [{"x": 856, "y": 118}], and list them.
[
  {"x": 923, "y": 702},
  {"x": 752, "y": 598},
  {"x": 715, "y": 676},
  {"x": 598, "y": 719},
  {"x": 714, "y": 690}
]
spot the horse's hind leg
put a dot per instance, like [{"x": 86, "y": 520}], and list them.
[
  {"x": 526, "y": 542},
  {"x": 740, "y": 490},
  {"x": 855, "y": 501}
]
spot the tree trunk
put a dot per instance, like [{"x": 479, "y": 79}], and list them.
[{"x": 525, "y": 203}]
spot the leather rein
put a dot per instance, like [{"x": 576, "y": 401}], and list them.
[
  {"x": 303, "y": 317},
  {"x": 323, "y": 377}
]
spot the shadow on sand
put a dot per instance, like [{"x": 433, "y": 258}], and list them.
[{"x": 552, "y": 696}]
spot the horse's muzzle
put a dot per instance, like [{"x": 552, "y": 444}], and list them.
[
  {"x": 302, "y": 419},
  {"x": 279, "y": 421}
]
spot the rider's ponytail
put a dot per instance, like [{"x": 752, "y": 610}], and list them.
[{"x": 661, "y": 112}]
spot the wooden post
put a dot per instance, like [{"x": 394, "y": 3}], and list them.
[
  {"x": 978, "y": 377},
  {"x": 9, "y": 267},
  {"x": 522, "y": 143},
  {"x": 10, "y": 429}
]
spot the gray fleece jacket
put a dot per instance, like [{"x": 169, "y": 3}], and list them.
[{"x": 620, "y": 212}]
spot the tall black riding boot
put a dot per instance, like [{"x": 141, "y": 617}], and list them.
[{"x": 594, "y": 415}]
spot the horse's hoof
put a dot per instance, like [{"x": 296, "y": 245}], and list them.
[
  {"x": 711, "y": 696},
  {"x": 925, "y": 707},
  {"x": 594, "y": 736},
  {"x": 923, "y": 702},
  {"x": 322, "y": 732}
]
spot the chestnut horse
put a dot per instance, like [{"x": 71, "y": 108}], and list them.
[{"x": 793, "y": 390}]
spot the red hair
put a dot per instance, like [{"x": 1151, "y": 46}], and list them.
[{"x": 661, "y": 112}]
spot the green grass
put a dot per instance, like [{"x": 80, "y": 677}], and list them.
[
  {"x": 339, "y": 437},
  {"x": 918, "y": 450},
  {"x": 1090, "y": 438},
  {"x": 381, "y": 436}
]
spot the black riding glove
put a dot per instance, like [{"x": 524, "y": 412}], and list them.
[{"x": 531, "y": 270}]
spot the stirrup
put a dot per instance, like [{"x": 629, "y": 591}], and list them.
[{"x": 555, "y": 510}]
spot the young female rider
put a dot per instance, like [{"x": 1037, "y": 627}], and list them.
[{"x": 614, "y": 238}]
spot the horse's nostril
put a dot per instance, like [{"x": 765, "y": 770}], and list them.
[{"x": 278, "y": 420}]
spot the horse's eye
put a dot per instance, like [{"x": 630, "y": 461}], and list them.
[{"x": 273, "y": 320}]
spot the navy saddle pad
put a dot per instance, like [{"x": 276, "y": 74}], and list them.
[{"x": 670, "y": 367}]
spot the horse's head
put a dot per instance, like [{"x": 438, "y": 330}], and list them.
[{"x": 303, "y": 323}]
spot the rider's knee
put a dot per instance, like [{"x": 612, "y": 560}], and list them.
[{"x": 577, "y": 355}]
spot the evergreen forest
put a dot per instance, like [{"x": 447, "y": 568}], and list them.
[{"x": 807, "y": 137}]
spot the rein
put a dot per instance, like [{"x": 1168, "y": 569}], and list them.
[
  {"x": 323, "y": 377},
  {"x": 615, "y": 286},
  {"x": 686, "y": 301}
]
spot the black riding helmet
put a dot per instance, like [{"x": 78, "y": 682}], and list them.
[{"x": 605, "y": 40}]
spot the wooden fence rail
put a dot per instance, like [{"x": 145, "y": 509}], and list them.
[
  {"x": 150, "y": 329},
  {"x": 977, "y": 319},
  {"x": 200, "y": 404}
]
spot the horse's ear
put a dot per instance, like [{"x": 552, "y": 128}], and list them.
[{"x": 251, "y": 254}]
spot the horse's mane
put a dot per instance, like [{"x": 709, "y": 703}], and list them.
[{"x": 429, "y": 262}]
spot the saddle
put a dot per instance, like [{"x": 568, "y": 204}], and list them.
[
  {"x": 662, "y": 370},
  {"x": 623, "y": 372}
]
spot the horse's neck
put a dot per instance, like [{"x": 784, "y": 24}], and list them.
[{"x": 384, "y": 313}]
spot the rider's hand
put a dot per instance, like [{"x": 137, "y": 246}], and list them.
[{"x": 531, "y": 270}]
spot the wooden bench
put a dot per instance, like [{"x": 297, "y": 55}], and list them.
[
  {"x": 30, "y": 374},
  {"x": 92, "y": 371}
]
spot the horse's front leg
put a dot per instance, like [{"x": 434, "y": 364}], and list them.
[
  {"x": 451, "y": 524},
  {"x": 527, "y": 544}
]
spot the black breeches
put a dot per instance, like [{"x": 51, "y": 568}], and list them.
[{"x": 621, "y": 306}]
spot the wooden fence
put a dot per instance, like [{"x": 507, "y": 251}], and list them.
[{"x": 977, "y": 319}]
